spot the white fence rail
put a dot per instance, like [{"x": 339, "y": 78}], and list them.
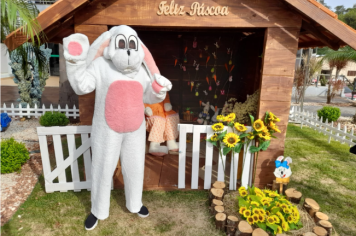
[
  {"x": 311, "y": 119},
  {"x": 37, "y": 112},
  {"x": 197, "y": 130}
]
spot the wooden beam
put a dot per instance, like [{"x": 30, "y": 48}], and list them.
[
  {"x": 319, "y": 35},
  {"x": 339, "y": 29}
]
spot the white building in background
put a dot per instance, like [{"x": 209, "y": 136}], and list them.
[{"x": 349, "y": 71}]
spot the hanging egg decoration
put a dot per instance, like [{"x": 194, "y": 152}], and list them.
[
  {"x": 192, "y": 83},
  {"x": 197, "y": 67},
  {"x": 184, "y": 69},
  {"x": 230, "y": 78},
  {"x": 230, "y": 62},
  {"x": 222, "y": 91},
  {"x": 212, "y": 70},
  {"x": 195, "y": 43},
  {"x": 196, "y": 93},
  {"x": 215, "y": 96},
  {"x": 210, "y": 88}
]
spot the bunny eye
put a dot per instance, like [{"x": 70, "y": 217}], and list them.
[
  {"x": 133, "y": 42},
  {"x": 120, "y": 41}
]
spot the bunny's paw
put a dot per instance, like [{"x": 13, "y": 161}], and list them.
[{"x": 76, "y": 47}]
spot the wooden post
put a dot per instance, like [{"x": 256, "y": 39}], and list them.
[
  {"x": 311, "y": 206},
  {"x": 214, "y": 203},
  {"x": 276, "y": 90},
  {"x": 215, "y": 194},
  {"x": 293, "y": 195},
  {"x": 86, "y": 102},
  {"x": 244, "y": 229},
  {"x": 320, "y": 216},
  {"x": 326, "y": 225},
  {"x": 218, "y": 209},
  {"x": 219, "y": 185},
  {"x": 232, "y": 222},
  {"x": 220, "y": 221},
  {"x": 275, "y": 186},
  {"x": 259, "y": 232}
]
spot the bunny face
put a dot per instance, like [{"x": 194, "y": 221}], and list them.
[
  {"x": 125, "y": 50},
  {"x": 283, "y": 169}
]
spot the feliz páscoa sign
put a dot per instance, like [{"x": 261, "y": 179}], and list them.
[{"x": 196, "y": 8}]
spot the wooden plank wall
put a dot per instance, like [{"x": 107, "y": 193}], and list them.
[{"x": 281, "y": 45}]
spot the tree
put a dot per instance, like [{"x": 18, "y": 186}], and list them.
[
  {"x": 339, "y": 10},
  {"x": 322, "y": 2},
  {"x": 349, "y": 17}
]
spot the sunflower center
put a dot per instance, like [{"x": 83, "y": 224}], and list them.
[{"x": 231, "y": 140}]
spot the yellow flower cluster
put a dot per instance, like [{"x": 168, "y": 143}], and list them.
[{"x": 269, "y": 208}]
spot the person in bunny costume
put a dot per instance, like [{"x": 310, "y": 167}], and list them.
[{"x": 121, "y": 70}]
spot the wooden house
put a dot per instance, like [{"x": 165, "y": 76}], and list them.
[{"x": 260, "y": 37}]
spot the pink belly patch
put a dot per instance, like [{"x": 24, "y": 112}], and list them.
[{"x": 124, "y": 109}]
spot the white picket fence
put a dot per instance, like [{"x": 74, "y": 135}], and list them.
[
  {"x": 311, "y": 119},
  {"x": 77, "y": 184},
  {"x": 197, "y": 130},
  {"x": 37, "y": 112}
]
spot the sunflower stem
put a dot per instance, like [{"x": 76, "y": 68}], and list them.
[{"x": 254, "y": 174}]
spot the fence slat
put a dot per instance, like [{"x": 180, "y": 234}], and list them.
[
  {"x": 57, "y": 143},
  {"x": 182, "y": 155},
  {"x": 45, "y": 159},
  {"x": 74, "y": 166},
  {"x": 233, "y": 170},
  {"x": 195, "y": 157},
  {"x": 222, "y": 166},
  {"x": 246, "y": 164},
  {"x": 87, "y": 159},
  {"x": 208, "y": 160}
]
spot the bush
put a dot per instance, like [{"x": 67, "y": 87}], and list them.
[
  {"x": 330, "y": 113},
  {"x": 54, "y": 119},
  {"x": 322, "y": 80},
  {"x": 13, "y": 155}
]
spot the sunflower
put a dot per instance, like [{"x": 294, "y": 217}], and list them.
[
  {"x": 214, "y": 138},
  {"x": 290, "y": 219},
  {"x": 255, "y": 217},
  {"x": 265, "y": 136},
  {"x": 247, "y": 213},
  {"x": 231, "y": 140},
  {"x": 242, "y": 188},
  {"x": 256, "y": 204},
  {"x": 250, "y": 220},
  {"x": 261, "y": 218},
  {"x": 260, "y": 194},
  {"x": 273, "y": 118},
  {"x": 218, "y": 127},
  {"x": 262, "y": 212},
  {"x": 285, "y": 226},
  {"x": 258, "y": 125},
  {"x": 275, "y": 128},
  {"x": 268, "y": 213},
  {"x": 257, "y": 190},
  {"x": 287, "y": 210},
  {"x": 230, "y": 117},
  {"x": 266, "y": 204},
  {"x": 273, "y": 194},
  {"x": 220, "y": 118},
  {"x": 239, "y": 127},
  {"x": 283, "y": 206},
  {"x": 264, "y": 199},
  {"x": 280, "y": 215},
  {"x": 270, "y": 220},
  {"x": 256, "y": 211},
  {"x": 243, "y": 193},
  {"x": 276, "y": 219},
  {"x": 242, "y": 209},
  {"x": 279, "y": 230}
]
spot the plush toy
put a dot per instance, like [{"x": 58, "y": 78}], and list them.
[
  {"x": 204, "y": 116},
  {"x": 216, "y": 113},
  {"x": 162, "y": 124},
  {"x": 124, "y": 76}
]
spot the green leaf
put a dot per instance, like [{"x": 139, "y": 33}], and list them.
[
  {"x": 226, "y": 150},
  {"x": 255, "y": 198},
  {"x": 252, "y": 119},
  {"x": 265, "y": 145},
  {"x": 273, "y": 136},
  {"x": 272, "y": 226},
  {"x": 222, "y": 135},
  {"x": 238, "y": 147},
  {"x": 243, "y": 202},
  {"x": 243, "y": 135},
  {"x": 266, "y": 117},
  {"x": 292, "y": 226},
  {"x": 261, "y": 225},
  {"x": 275, "y": 210},
  {"x": 254, "y": 149}
]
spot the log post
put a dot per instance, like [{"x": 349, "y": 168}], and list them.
[
  {"x": 326, "y": 225},
  {"x": 320, "y": 216},
  {"x": 244, "y": 229},
  {"x": 259, "y": 232},
  {"x": 311, "y": 206},
  {"x": 215, "y": 194},
  {"x": 293, "y": 195},
  {"x": 215, "y": 203},
  {"x": 220, "y": 219},
  {"x": 309, "y": 234},
  {"x": 320, "y": 231},
  {"x": 219, "y": 185},
  {"x": 232, "y": 222},
  {"x": 218, "y": 209}
]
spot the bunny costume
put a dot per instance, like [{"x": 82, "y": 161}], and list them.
[{"x": 124, "y": 76}]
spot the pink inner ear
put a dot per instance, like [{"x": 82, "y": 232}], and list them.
[
  {"x": 149, "y": 61},
  {"x": 100, "y": 51},
  {"x": 75, "y": 49}
]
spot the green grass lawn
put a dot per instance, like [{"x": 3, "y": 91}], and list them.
[
  {"x": 322, "y": 171},
  {"x": 326, "y": 173}
]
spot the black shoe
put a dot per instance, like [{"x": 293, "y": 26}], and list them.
[
  {"x": 91, "y": 222},
  {"x": 143, "y": 212}
]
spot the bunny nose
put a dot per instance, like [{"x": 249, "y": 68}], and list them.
[
  {"x": 282, "y": 172},
  {"x": 128, "y": 52}
]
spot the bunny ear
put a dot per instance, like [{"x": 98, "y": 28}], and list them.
[
  {"x": 149, "y": 62},
  {"x": 280, "y": 158},
  {"x": 288, "y": 160},
  {"x": 97, "y": 47}
]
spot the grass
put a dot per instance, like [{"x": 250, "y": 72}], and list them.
[
  {"x": 326, "y": 173},
  {"x": 322, "y": 171}
]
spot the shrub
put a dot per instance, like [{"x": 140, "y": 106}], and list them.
[
  {"x": 330, "y": 113},
  {"x": 13, "y": 155},
  {"x": 54, "y": 119},
  {"x": 322, "y": 80}
]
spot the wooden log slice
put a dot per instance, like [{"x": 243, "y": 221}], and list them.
[
  {"x": 319, "y": 231},
  {"x": 220, "y": 220},
  {"x": 219, "y": 185},
  {"x": 311, "y": 206},
  {"x": 293, "y": 195},
  {"x": 215, "y": 203},
  {"x": 231, "y": 225},
  {"x": 320, "y": 216},
  {"x": 215, "y": 193},
  {"x": 281, "y": 235},
  {"x": 218, "y": 209},
  {"x": 244, "y": 229},
  {"x": 259, "y": 232},
  {"x": 326, "y": 225},
  {"x": 309, "y": 234}
]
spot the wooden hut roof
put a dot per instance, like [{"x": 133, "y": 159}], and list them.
[{"x": 320, "y": 26}]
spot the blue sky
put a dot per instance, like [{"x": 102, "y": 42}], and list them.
[{"x": 334, "y": 3}]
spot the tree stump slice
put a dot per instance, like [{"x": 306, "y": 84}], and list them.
[
  {"x": 244, "y": 229},
  {"x": 326, "y": 225},
  {"x": 275, "y": 186},
  {"x": 220, "y": 219},
  {"x": 320, "y": 216},
  {"x": 216, "y": 193},
  {"x": 311, "y": 206},
  {"x": 309, "y": 234},
  {"x": 215, "y": 203},
  {"x": 293, "y": 195},
  {"x": 232, "y": 222},
  {"x": 259, "y": 232},
  {"x": 320, "y": 231},
  {"x": 218, "y": 209},
  {"x": 219, "y": 185},
  {"x": 281, "y": 235}
]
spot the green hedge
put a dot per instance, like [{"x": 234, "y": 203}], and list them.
[
  {"x": 330, "y": 113},
  {"x": 13, "y": 155},
  {"x": 54, "y": 119}
]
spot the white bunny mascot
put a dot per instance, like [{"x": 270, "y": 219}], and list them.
[
  {"x": 124, "y": 76},
  {"x": 283, "y": 169}
]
